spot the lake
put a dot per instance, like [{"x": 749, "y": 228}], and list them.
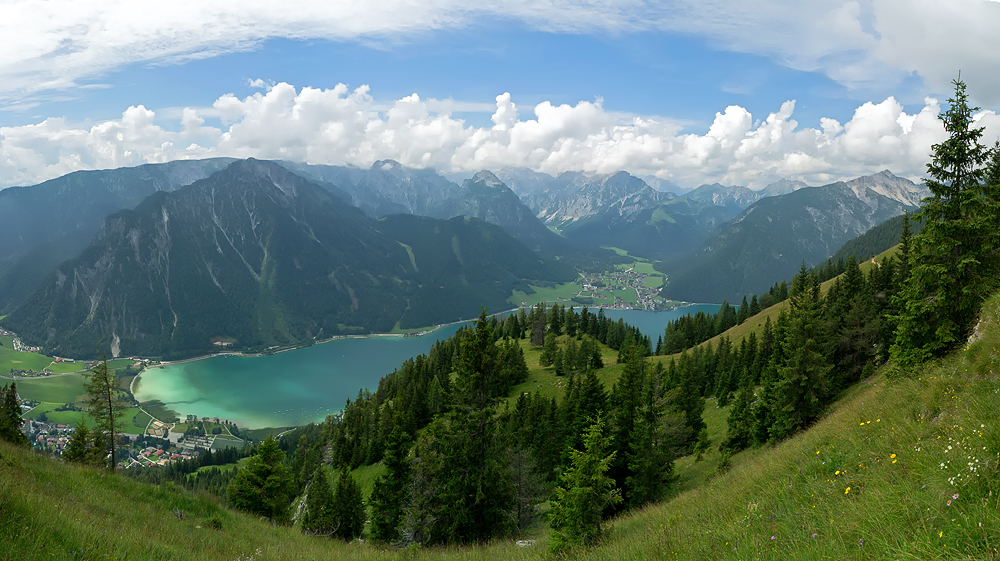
[{"x": 305, "y": 385}]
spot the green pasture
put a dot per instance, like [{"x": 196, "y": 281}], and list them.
[
  {"x": 52, "y": 389},
  {"x": 139, "y": 419},
  {"x": 544, "y": 380},
  {"x": 550, "y": 294},
  {"x": 132, "y": 417},
  {"x": 15, "y": 360},
  {"x": 617, "y": 250},
  {"x": 365, "y": 476}
]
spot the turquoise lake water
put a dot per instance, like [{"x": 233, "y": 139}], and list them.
[{"x": 305, "y": 385}]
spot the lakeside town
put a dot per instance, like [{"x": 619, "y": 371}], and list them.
[
  {"x": 598, "y": 287},
  {"x": 158, "y": 445}
]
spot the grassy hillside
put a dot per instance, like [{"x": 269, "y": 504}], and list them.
[
  {"x": 900, "y": 468},
  {"x": 904, "y": 468}
]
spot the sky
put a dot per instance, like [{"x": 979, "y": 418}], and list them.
[{"x": 690, "y": 91}]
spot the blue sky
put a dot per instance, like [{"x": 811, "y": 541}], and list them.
[
  {"x": 666, "y": 74},
  {"x": 621, "y": 85}
]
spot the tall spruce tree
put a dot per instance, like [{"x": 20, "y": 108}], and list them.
[
  {"x": 803, "y": 382},
  {"x": 953, "y": 265},
  {"x": 586, "y": 490},
  {"x": 462, "y": 489},
  {"x": 10, "y": 416},
  {"x": 348, "y": 506},
  {"x": 106, "y": 406},
  {"x": 264, "y": 485},
  {"x": 390, "y": 493},
  {"x": 626, "y": 396},
  {"x": 650, "y": 447},
  {"x": 320, "y": 517},
  {"x": 739, "y": 434}
]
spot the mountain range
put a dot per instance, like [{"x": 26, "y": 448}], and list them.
[
  {"x": 771, "y": 238},
  {"x": 275, "y": 253},
  {"x": 258, "y": 256}
]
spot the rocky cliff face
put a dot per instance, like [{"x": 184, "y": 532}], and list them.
[
  {"x": 890, "y": 186},
  {"x": 574, "y": 197}
]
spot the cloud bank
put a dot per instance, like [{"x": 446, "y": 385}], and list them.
[
  {"x": 59, "y": 44},
  {"x": 343, "y": 126}
]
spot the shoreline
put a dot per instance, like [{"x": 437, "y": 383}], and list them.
[
  {"x": 420, "y": 333},
  {"x": 136, "y": 380}
]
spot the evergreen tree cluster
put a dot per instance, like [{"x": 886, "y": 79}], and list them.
[
  {"x": 954, "y": 262},
  {"x": 477, "y": 471},
  {"x": 336, "y": 513},
  {"x": 690, "y": 330},
  {"x": 813, "y": 352}
]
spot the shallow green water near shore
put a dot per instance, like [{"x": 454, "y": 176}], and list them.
[{"x": 305, "y": 385}]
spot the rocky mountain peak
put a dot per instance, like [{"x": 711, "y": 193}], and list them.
[
  {"x": 890, "y": 185},
  {"x": 488, "y": 178},
  {"x": 252, "y": 171},
  {"x": 782, "y": 187}
]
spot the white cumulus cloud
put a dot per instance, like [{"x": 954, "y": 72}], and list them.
[
  {"x": 344, "y": 126},
  {"x": 58, "y": 44}
]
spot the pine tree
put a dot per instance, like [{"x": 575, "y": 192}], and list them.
[
  {"x": 320, "y": 517},
  {"x": 953, "y": 265},
  {"x": 78, "y": 448},
  {"x": 905, "y": 249},
  {"x": 348, "y": 507},
  {"x": 264, "y": 485},
  {"x": 650, "y": 457},
  {"x": 10, "y": 416},
  {"x": 740, "y": 421},
  {"x": 626, "y": 396},
  {"x": 804, "y": 380},
  {"x": 389, "y": 495},
  {"x": 586, "y": 490},
  {"x": 744, "y": 312},
  {"x": 462, "y": 486},
  {"x": 548, "y": 356},
  {"x": 106, "y": 406},
  {"x": 538, "y": 322}
]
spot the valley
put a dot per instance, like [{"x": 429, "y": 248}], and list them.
[{"x": 267, "y": 305}]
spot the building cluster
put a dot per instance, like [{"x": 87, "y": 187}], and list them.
[
  {"x": 28, "y": 373},
  {"x": 601, "y": 286},
  {"x": 21, "y": 347},
  {"x": 47, "y": 437}
]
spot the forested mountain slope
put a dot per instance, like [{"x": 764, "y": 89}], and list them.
[
  {"x": 257, "y": 254},
  {"x": 45, "y": 224}
]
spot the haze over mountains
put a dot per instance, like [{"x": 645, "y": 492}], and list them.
[{"x": 273, "y": 253}]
